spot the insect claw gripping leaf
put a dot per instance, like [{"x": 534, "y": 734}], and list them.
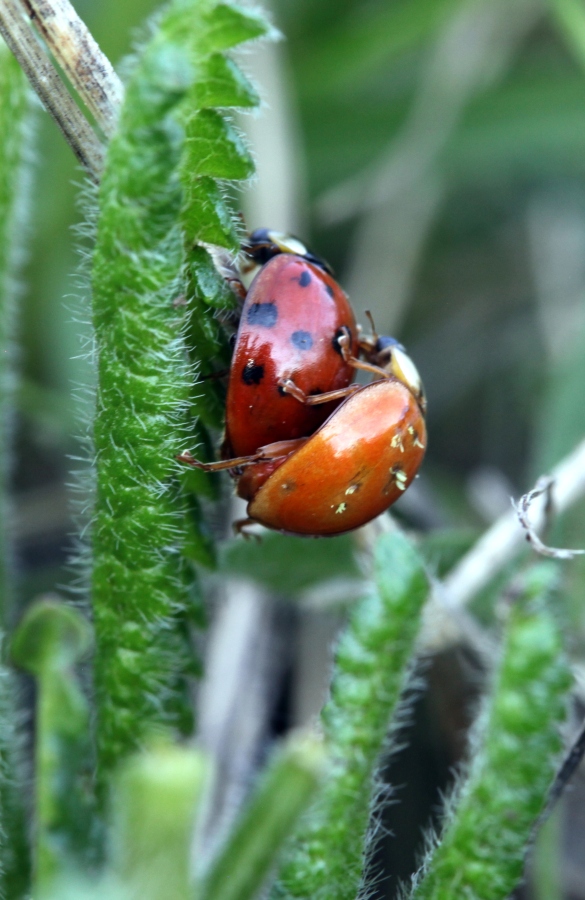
[{"x": 161, "y": 195}]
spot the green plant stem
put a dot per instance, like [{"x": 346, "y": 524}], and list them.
[
  {"x": 14, "y": 106},
  {"x": 249, "y": 853},
  {"x": 570, "y": 16},
  {"x": 516, "y": 745},
  {"x": 50, "y": 640},
  {"x": 145, "y": 287},
  {"x": 139, "y": 582},
  {"x": 14, "y": 113},
  {"x": 371, "y": 665},
  {"x": 156, "y": 799}
]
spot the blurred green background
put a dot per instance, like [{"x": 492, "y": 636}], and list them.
[{"x": 434, "y": 152}]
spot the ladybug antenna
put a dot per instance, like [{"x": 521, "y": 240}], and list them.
[{"x": 373, "y": 324}]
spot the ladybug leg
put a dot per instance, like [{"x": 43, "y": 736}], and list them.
[
  {"x": 213, "y": 376},
  {"x": 281, "y": 448},
  {"x": 344, "y": 343},
  {"x": 239, "y": 528},
  {"x": 190, "y": 460},
  {"x": 365, "y": 344},
  {"x": 237, "y": 287},
  {"x": 368, "y": 367},
  {"x": 287, "y": 386},
  {"x": 269, "y": 451}
]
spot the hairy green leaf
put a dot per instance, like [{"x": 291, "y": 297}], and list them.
[
  {"x": 515, "y": 748},
  {"x": 153, "y": 291},
  {"x": 326, "y": 858}
]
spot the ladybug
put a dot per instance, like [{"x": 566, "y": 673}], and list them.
[
  {"x": 296, "y": 326},
  {"x": 355, "y": 465}
]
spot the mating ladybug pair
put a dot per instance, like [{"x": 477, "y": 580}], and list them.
[{"x": 314, "y": 454}]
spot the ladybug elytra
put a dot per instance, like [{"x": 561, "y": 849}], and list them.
[
  {"x": 356, "y": 465},
  {"x": 296, "y": 324}
]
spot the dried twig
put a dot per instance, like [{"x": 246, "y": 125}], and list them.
[
  {"x": 544, "y": 485},
  {"x": 87, "y": 68},
  {"x": 47, "y": 84},
  {"x": 506, "y": 537}
]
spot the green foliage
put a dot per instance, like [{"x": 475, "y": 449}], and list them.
[
  {"x": 570, "y": 16},
  {"x": 156, "y": 796},
  {"x": 371, "y": 663},
  {"x": 362, "y": 43},
  {"x": 249, "y": 853},
  {"x": 306, "y": 562},
  {"x": 49, "y": 642},
  {"x": 442, "y": 548},
  {"x": 481, "y": 852},
  {"x": 14, "y": 125},
  {"x": 167, "y": 194},
  {"x": 146, "y": 299},
  {"x": 156, "y": 799}
]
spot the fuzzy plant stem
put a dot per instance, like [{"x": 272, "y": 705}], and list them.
[
  {"x": 14, "y": 110},
  {"x": 143, "y": 283},
  {"x": 140, "y": 583},
  {"x": 14, "y": 106},
  {"x": 326, "y": 858},
  {"x": 156, "y": 800},
  {"x": 49, "y": 641},
  {"x": 514, "y": 749},
  {"x": 249, "y": 853}
]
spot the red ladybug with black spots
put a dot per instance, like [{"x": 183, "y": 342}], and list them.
[{"x": 296, "y": 325}]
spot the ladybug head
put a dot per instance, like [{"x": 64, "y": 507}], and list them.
[
  {"x": 263, "y": 243},
  {"x": 390, "y": 355}
]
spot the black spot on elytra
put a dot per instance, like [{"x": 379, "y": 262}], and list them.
[
  {"x": 329, "y": 290},
  {"x": 252, "y": 373},
  {"x": 302, "y": 340},
  {"x": 341, "y": 332},
  {"x": 305, "y": 279},
  {"x": 265, "y": 314},
  {"x": 315, "y": 392}
]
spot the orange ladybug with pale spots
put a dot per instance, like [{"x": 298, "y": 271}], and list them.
[{"x": 353, "y": 465}]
